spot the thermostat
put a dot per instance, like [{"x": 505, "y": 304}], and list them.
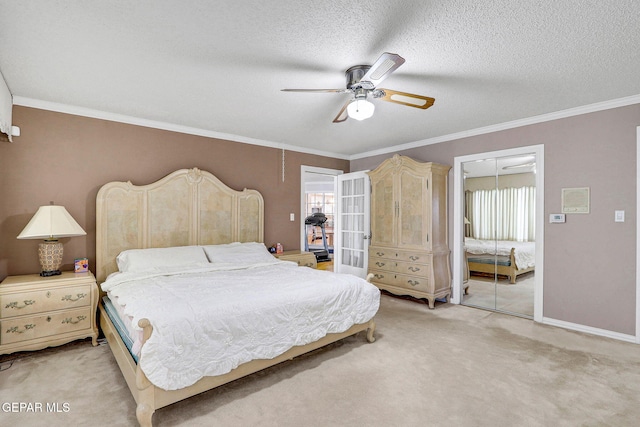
[{"x": 556, "y": 218}]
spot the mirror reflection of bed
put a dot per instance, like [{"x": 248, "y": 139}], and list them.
[{"x": 499, "y": 230}]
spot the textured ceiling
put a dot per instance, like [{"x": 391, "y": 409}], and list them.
[{"x": 218, "y": 66}]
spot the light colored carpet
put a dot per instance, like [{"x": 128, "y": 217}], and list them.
[
  {"x": 502, "y": 295},
  {"x": 452, "y": 366}
]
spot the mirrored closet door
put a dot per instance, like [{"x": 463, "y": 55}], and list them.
[{"x": 499, "y": 234}]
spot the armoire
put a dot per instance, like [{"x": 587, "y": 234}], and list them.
[{"x": 409, "y": 253}]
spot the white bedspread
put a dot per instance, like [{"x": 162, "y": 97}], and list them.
[
  {"x": 211, "y": 318},
  {"x": 525, "y": 253}
]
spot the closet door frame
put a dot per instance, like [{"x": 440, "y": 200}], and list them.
[{"x": 458, "y": 221}]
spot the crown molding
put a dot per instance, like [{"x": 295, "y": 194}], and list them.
[
  {"x": 103, "y": 115},
  {"x": 591, "y": 108},
  {"x": 121, "y": 118}
]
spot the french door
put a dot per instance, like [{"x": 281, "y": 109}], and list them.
[{"x": 352, "y": 223}]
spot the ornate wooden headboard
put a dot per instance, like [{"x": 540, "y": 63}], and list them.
[{"x": 187, "y": 207}]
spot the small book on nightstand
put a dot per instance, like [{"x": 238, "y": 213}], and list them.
[{"x": 81, "y": 265}]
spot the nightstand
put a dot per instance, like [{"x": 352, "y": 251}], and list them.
[
  {"x": 304, "y": 259},
  {"x": 38, "y": 312}
]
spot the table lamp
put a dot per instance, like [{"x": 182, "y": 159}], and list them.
[{"x": 50, "y": 223}]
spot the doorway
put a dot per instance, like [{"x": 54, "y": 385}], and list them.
[
  {"x": 318, "y": 202},
  {"x": 498, "y": 231}
]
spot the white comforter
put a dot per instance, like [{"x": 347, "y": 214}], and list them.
[
  {"x": 209, "y": 319},
  {"x": 525, "y": 253}
]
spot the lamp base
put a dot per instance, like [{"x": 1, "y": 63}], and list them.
[
  {"x": 50, "y": 254},
  {"x": 50, "y": 273}
]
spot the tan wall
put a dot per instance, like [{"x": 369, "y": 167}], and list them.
[
  {"x": 65, "y": 159},
  {"x": 590, "y": 261}
]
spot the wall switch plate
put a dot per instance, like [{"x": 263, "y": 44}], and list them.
[
  {"x": 619, "y": 216},
  {"x": 557, "y": 218},
  {"x": 292, "y": 217}
]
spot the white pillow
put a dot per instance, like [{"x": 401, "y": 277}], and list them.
[
  {"x": 244, "y": 253},
  {"x": 138, "y": 260}
]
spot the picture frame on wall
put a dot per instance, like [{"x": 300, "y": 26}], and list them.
[{"x": 575, "y": 200}]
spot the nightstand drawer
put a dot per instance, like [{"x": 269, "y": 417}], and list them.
[
  {"x": 303, "y": 259},
  {"x": 23, "y": 303},
  {"x": 31, "y": 327}
]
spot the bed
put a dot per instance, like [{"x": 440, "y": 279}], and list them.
[
  {"x": 503, "y": 257},
  {"x": 190, "y": 232}
]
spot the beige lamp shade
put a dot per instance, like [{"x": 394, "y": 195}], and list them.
[{"x": 50, "y": 223}]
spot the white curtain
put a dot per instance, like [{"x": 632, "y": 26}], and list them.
[
  {"x": 506, "y": 214},
  {"x": 6, "y": 104}
]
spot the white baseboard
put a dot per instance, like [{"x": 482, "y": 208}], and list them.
[{"x": 590, "y": 330}]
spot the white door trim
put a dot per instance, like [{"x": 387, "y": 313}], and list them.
[
  {"x": 458, "y": 220},
  {"x": 312, "y": 169},
  {"x": 637, "y": 235}
]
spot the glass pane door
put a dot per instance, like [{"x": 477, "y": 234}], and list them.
[{"x": 353, "y": 227}]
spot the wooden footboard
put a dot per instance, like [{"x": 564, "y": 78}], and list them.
[
  {"x": 149, "y": 397},
  {"x": 511, "y": 270}
]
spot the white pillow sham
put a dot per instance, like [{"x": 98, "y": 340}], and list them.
[
  {"x": 139, "y": 260},
  {"x": 245, "y": 253}
]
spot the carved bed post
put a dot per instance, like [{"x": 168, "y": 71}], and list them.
[
  {"x": 372, "y": 325},
  {"x": 146, "y": 404},
  {"x": 370, "y": 330}
]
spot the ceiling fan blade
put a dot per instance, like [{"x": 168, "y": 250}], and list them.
[
  {"x": 317, "y": 90},
  {"x": 408, "y": 99},
  {"x": 380, "y": 70},
  {"x": 342, "y": 115}
]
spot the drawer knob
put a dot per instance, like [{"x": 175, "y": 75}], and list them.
[
  {"x": 413, "y": 282},
  {"x": 15, "y": 330},
  {"x": 379, "y": 264},
  {"x": 414, "y": 258},
  {"x": 73, "y": 322},
  {"x": 15, "y": 305},
  {"x": 379, "y": 276},
  {"x": 380, "y": 253},
  {"x": 414, "y": 269},
  {"x": 70, "y": 298}
]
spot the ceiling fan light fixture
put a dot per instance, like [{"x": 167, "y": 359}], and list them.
[{"x": 360, "y": 109}]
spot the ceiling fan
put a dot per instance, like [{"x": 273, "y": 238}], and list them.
[{"x": 361, "y": 83}]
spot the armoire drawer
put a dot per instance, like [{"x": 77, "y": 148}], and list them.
[
  {"x": 413, "y": 282},
  {"x": 412, "y": 269},
  {"x": 380, "y": 253},
  {"x": 401, "y": 267},
  {"x": 401, "y": 280}
]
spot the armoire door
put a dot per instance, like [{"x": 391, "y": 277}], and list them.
[
  {"x": 413, "y": 211},
  {"x": 384, "y": 208}
]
